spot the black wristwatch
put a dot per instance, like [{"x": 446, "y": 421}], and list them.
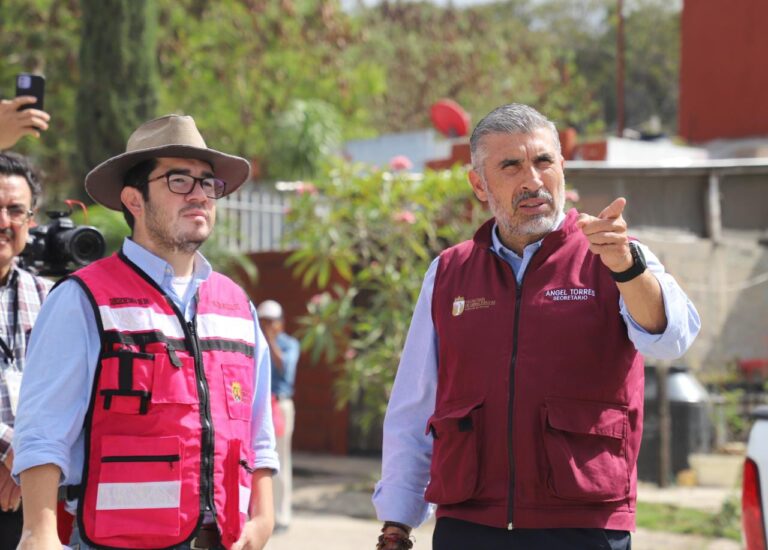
[{"x": 637, "y": 268}]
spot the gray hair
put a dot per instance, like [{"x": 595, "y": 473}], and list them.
[{"x": 514, "y": 118}]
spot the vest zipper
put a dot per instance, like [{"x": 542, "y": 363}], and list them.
[
  {"x": 206, "y": 460},
  {"x": 510, "y": 418}
]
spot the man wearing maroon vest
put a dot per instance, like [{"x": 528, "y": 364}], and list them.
[{"x": 517, "y": 407}]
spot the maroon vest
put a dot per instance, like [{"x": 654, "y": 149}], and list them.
[{"x": 538, "y": 416}]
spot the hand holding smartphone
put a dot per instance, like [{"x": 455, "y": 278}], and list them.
[
  {"x": 23, "y": 115},
  {"x": 31, "y": 85}
]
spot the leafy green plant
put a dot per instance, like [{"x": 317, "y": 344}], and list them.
[{"x": 367, "y": 235}]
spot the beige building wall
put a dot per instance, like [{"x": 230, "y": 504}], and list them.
[{"x": 708, "y": 224}]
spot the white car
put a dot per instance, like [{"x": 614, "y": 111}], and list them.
[{"x": 754, "y": 519}]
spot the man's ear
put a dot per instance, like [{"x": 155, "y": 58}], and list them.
[
  {"x": 478, "y": 185},
  {"x": 133, "y": 200}
]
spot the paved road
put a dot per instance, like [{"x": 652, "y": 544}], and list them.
[
  {"x": 313, "y": 531},
  {"x": 333, "y": 510}
]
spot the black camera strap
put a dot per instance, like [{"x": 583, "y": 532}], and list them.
[{"x": 8, "y": 350}]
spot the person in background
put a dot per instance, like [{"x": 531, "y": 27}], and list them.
[
  {"x": 147, "y": 388},
  {"x": 14, "y": 124},
  {"x": 517, "y": 405},
  {"x": 21, "y": 295},
  {"x": 284, "y": 350}
]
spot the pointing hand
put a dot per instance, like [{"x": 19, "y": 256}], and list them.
[{"x": 607, "y": 235}]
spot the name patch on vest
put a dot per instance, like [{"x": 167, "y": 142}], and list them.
[
  {"x": 570, "y": 294},
  {"x": 225, "y": 305},
  {"x": 125, "y": 300},
  {"x": 460, "y": 305}
]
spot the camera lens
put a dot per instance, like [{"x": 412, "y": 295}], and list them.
[{"x": 86, "y": 245}]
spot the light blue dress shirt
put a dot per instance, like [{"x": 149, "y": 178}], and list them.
[
  {"x": 61, "y": 364},
  {"x": 407, "y": 451},
  {"x": 284, "y": 379}
]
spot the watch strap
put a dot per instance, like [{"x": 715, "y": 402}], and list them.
[{"x": 637, "y": 268}]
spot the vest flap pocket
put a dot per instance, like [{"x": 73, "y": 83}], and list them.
[
  {"x": 585, "y": 445},
  {"x": 237, "y": 389},
  {"x": 139, "y": 486},
  {"x": 174, "y": 379},
  {"x": 458, "y": 419},
  {"x": 126, "y": 380},
  {"x": 587, "y": 417},
  {"x": 455, "y": 453}
]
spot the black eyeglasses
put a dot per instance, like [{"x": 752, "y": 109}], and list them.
[{"x": 183, "y": 184}]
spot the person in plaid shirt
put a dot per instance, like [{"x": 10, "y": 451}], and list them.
[{"x": 21, "y": 295}]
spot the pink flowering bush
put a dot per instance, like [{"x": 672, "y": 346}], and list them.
[
  {"x": 400, "y": 162},
  {"x": 404, "y": 216},
  {"x": 378, "y": 230}
]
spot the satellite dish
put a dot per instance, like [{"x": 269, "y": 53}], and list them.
[{"x": 449, "y": 118}]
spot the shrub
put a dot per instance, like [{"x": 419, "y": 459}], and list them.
[{"x": 367, "y": 236}]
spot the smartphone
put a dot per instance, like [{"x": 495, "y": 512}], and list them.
[{"x": 31, "y": 84}]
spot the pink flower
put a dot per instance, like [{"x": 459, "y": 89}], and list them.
[
  {"x": 404, "y": 216},
  {"x": 316, "y": 299},
  {"x": 350, "y": 354},
  {"x": 305, "y": 187},
  {"x": 400, "y": 162},
  {"x": 571, "y": 195}
]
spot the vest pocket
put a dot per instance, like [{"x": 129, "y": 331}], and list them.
[
  {"x": 126, "y": 381},
  {"x": 586, "y": 448},
  {"x": 174, "y": 379},
  {"x": 455, "y": 453},
  {"x": 131, "y": 380},
  {"x": 238, "y": 390},
  {"x": 139, "y": 486},
  {"x": 237, "y": 486}
]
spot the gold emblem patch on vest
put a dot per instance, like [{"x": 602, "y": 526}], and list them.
[
  {"x": 461, "y": 305},
  {"x": 237, "y": 391},
  {"x": 458, "y": 306}
]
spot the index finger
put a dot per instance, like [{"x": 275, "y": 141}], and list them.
[
  {"x": 614, "y": 209},
  {"x": 23, "y": 100}
]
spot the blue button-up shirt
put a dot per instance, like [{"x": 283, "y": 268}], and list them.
[
  {"x": 284, "y": 379},
  {"x": 61, "y": 363},
  {"x": 407, "y": 453}
]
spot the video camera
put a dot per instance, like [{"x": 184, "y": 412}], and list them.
[{"x": 54, "y": 246}]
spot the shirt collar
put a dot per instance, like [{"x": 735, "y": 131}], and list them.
[{"x": 160, "y": 271}]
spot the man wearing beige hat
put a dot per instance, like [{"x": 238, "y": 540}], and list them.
[{"x": 146, "y": 395}]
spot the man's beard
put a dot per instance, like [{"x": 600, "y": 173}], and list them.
[
  {"x": 162, "y": 236},
  {"x": 537, "y": 225}
]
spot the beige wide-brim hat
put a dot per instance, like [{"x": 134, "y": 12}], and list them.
[{"x": 167, "y": 136}]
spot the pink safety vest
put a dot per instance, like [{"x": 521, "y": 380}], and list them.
[{"x": 168, "y": 427}]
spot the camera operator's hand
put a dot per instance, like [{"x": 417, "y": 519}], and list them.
[{"x": 14, "y": 123}]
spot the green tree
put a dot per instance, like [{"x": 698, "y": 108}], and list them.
[
  {"x": 118, "y": 81},
  {"x": 237, "y": 65},
  {"x": 303, "y": 138},
  {"x": 652, "y": 53},
  {"x": 481, "y": 56},
  {"x": 42, "y": 36}
]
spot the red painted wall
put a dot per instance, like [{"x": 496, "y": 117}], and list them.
[
  {"x": 724, "y": 69},
  {"x": 319, "y": 426}
]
